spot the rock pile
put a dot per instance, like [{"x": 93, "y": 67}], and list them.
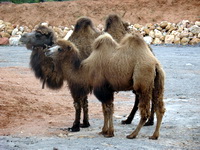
[{"x": 184, "y": 32}]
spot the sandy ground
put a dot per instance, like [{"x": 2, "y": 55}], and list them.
[
  {"x": 66, "y": 13},
  {"x": 32, "y": 118}
]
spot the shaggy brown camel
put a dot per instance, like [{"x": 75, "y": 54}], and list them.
[
  {"x": 44, "y": 69},
  {"x": 143, "y": 74},
  {"x": 104, "y": 71}
]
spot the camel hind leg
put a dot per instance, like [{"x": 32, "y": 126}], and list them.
[
  {"x": 158, "y": 92},
  {"x": 133, "y": 111},
  {"x": 160, "y": 110},
  {"x": 144, "y": 107}
]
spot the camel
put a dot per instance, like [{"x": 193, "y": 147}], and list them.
[
  {"x": 143, "y": 74},
  {"x": 83, "y": 35},
  {"x": 104, "y": 72}
]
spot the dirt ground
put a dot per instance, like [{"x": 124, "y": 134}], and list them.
[{"x": 66, "y": 13}]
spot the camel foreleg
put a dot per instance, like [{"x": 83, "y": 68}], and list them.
[
  {"x": 108, "y": 128},
  {"x": 76, "y": 124},
  {"x": 84, "y": 105}
]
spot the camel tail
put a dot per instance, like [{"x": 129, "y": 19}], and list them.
[
  {"x": 159, "y": 80},
  {"x": 158, "y": 91}
]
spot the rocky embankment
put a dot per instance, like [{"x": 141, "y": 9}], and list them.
[{"x": 184, "y": 32}]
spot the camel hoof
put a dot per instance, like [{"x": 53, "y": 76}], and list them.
[
  {"x": 126, "y": 121},
  {"x": 108, "y": 135},
  {"x": 103, "y": 133},
  {"x": 149, "y": 123},
  {"x": 85, "y": 125},
  {"x": 153, "y": 137},
  {"x": 73, "y": 129},
  {"x": 131, "y": 136}
]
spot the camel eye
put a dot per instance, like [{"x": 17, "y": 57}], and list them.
[
  {"x": 60, "y": 49},
  {"x": 69, "y": 48}
]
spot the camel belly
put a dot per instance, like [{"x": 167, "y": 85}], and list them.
[{"x": 119, "y": 84}]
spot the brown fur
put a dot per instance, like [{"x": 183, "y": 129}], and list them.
[
  {"x": 83, "y": 36},
  {"x": 127, "y": 66},
  {"x": 116, "y": 27}
]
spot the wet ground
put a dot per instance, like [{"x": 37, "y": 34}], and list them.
[{"x": 181, "y": 123}]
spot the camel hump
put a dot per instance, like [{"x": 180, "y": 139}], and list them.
[
  {"x": 134, "y": 40},
  {"x": 105, "y": 38},
  {"x": 83, "y": 23},
  {"x": 111, "y": 20}
]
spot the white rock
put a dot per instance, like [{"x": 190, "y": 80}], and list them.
[
  {"x": 2, "y": 26},
  {"x": 198, "y": 35},
  {"x": 197, "y": 23},
  {"x": 14, "y": 40},
  {"x": 45, "y": 24},
  {"x": 152, "y": 34},
  {"x": 185, "y": 23},
  {"x": 158, "y": 34},
  {"x": 175, "y": 33},
  {"x": 184, "y": 34},
  {"x": 130, "y": 27},
  {"x": 157, "y": 41},
  {"x": 148, "y": 39},
  {"x": 195, "y": 29},
  {"x": 21, "y": 28},
  {"x": 184, "y": 41},
  {"x": 14, "y": 32},
  {"x": 163, "y": 24},
  {"x": 169, "y": 39},
  {"x": 100, "y": 27},
  {"x": 194, "y": 41},
  {"x": 177, "y": 40},
  {"x": 69, "y": 33},
  {"x": 1, "y": 21}
]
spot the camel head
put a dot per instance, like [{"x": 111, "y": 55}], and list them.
[
  {"x": 43, "y": 36},
  {"x": 64, "y": 51}
]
